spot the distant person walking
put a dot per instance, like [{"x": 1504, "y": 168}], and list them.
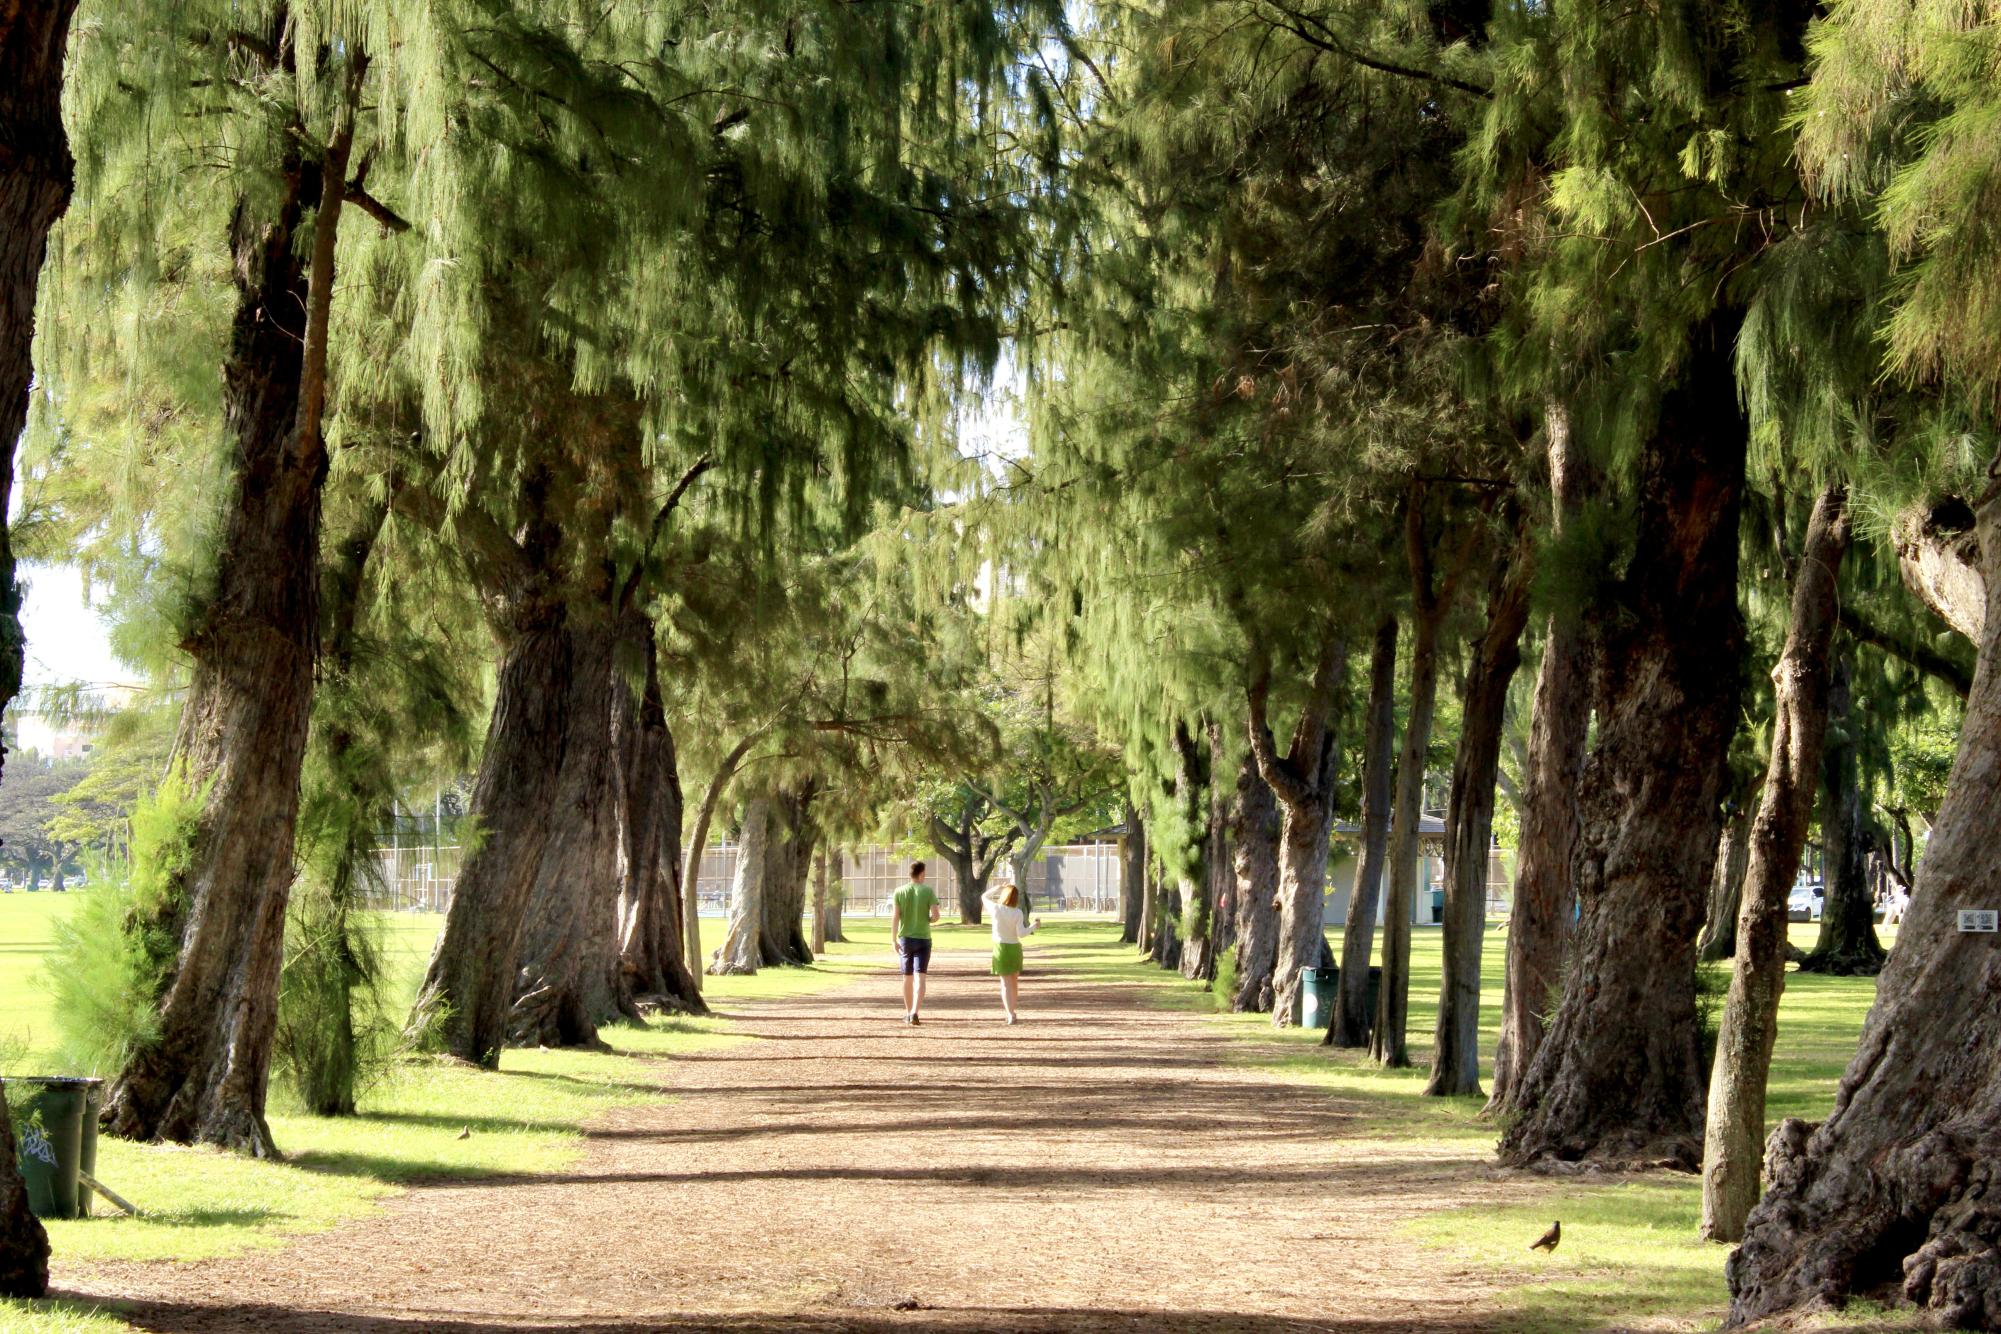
[
  {"x": 1010, "y": 925},
  {"x": 913, "y": 909}
]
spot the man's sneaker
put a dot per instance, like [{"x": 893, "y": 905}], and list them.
[
  {"x": 908, "y": 1019},
  {"x": 915, "y": 1020}
]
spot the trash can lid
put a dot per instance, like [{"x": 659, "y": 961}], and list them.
[{"x": 58, "y": 1081}]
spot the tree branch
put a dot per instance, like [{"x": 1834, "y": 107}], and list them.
[{"x": 1913, "y": 651}]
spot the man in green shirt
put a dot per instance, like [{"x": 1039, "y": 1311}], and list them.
[{"x": 912, "y": 911}]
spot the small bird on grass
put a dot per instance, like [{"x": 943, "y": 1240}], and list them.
[
  {"x": 1547, "y": 1241},
  {"x": 466, "y": 1133}
]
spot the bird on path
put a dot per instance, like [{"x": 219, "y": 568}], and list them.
[{"x": 1547, "y": 1241}]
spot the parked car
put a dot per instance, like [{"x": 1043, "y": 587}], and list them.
[{"x": 1805, "y": 903}]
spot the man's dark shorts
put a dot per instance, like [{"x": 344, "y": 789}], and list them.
[{"x": 916, "y": 954}]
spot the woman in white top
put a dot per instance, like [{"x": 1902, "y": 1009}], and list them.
[{"x": 1010, "y": 925}]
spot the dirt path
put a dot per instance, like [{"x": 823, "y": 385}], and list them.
[{"x": 1099, "y": 1167}]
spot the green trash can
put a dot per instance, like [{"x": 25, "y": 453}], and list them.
[
  {"x": 93, "y": 1104},
  {"x": 1317, "y": 987},
  {"x": 48, "y": 1117}
]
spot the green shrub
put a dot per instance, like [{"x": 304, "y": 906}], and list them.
[{"x": 114, "y": 954}]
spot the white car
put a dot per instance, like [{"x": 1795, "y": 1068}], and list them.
[{"x": 1806, "y": 903}]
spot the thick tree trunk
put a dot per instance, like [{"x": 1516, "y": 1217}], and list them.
[
  {"x": 469, "y": 984},
  {"x": 1902, "y": 1182},
  {"x": 1726, "y": 890},
  {"x": 1350, "y": 1027},
  {"x": 1847, "y": 946},
  {"x": 742, "y": 949},
  {"x": 204, "y": 1074},
  {"x": 971, "y": 885},
  {"x": 569, "y": 979},
  {"x": 1256, "y": 828},
  {"x": 1389, "y": 1041},
  {"x": 1545, "y": 869},
  {"x": 649, "y": 840},
  {"x": 1304, "y": 827},
  {"x": 1619, "y": 1077},
  {"x": 788, "y": 857},
  {"x": 1303, "y": 781},
  {"x": 1197, "y": 908},
  {"x": 1218, "y": 860},
  {"x": 1132, "y": 877},
  {"x": 1469, "y": 828},
  {"x": 1734, "y": 1138}
]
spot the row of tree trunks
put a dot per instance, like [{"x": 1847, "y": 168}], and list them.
[
  {"x": 1389, "y": 1041},
  {"x": 35, "y": 178},
  {"x": 1847, "y": 945},
  {"x": 1350, "y": 1026},
  {"x": 1734, "y": 1137},
  {"x": 1619, "y": 1077},
  {"x": 1545, "y": 884},
  {"x": 1132, "y": 876},
  {"x": 1303, "y": 781},
  {"x": 1902, "y": 1183},
  {"x": 1255, "y": 826},
  {"x": 1469, "y": 825},
  {"x": 649, "y": 872},
  {"x": 1726, "y": 889},
  {"x": 204, "y": 1073},
  {"x": 1218, "y": 858}
]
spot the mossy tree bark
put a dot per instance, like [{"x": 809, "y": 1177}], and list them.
[
  {"x": 36, "y": 172},
  {"x": 1469, "y": 825},
  {"x": 1350, "y": 1027},
  {"x": 1619, "y": 1077},
  {"x": 205, "y": 1073},
  {"x": 1734, "y": 1137},
  {"x": 1902, "y": 1183},
  {"x": 1303, "y": 781}
]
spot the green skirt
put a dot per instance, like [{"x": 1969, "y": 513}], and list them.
[{"x": 1007, "y": 960}]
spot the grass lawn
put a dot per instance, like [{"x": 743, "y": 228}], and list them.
[
  {"x": 1630, "y": 1249},
  {"x": 526, "y": 1118}
]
